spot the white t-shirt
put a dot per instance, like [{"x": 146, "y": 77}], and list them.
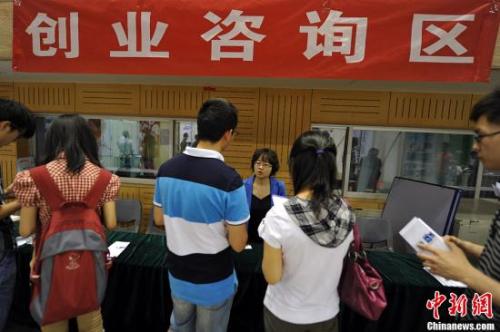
[{"x": 307, "y": 292}]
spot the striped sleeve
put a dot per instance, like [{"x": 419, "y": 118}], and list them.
[{"x": 237, "y": 212}]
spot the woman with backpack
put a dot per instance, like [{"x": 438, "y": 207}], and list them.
[
  {"x": 62, "y": 201},
  {"x": 306, "y": 239}
]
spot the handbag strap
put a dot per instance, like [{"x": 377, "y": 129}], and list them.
[{"x": 357, "y": 238}]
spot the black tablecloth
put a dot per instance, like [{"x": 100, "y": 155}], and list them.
[
  {"x": 138, "y": 294},
  {"x": 407, "y": 287}
]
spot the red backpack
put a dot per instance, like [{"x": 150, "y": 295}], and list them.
[{"x": 70, "y": 271}]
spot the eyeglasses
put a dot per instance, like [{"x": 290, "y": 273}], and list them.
[
  {"x": 263, "y": 164},
  {"x": 478, "y": 137},
  {"x": 234, "y": 132}
]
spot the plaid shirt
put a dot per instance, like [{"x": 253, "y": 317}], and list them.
[
  {"x": 331, "y": 228},
  {"x": 73, "y": 187}
]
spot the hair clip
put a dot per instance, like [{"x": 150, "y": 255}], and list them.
[{"x": 319, "y": 151}]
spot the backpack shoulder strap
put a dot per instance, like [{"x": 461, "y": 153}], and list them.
[
  {"x": 98, "y": 188},
  {"x": 47, "y": 187}
]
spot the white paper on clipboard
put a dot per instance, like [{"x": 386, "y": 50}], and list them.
[{"x": 417, "y": 231}]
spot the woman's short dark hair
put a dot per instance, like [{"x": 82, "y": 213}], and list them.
[
  {"x": 312, "y": 165},
  {"x": 19, "y": 116},
  {"x": 266, "y": 155},
  {"x": 71, "y": 134},
  {"x": 216, "y": 117}
]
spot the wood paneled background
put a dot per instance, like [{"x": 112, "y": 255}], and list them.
[
  {"x": 59, "y": 98},
  {"x": 270, "y": 118},
  {"x": 429, "y": 110},
  {"x": 350, "y": 107},
  {"x": 267, "y": 117}
]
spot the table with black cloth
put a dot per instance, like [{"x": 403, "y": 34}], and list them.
[
  {"x": 138, "y": 294},
  {"x": 407, "y": 287}
]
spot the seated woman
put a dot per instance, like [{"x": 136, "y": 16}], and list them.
[
  {"x": 72, "y": 161},
  {"x": 260, "y": 187},
  {"x": 305, "y": 241}
]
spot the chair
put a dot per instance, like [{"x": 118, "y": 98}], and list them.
[
  {"x": 434, "y": 204},
  {"x": 376, "y": 232},
  {"x": 152, "y": 228},
  {"x": 128, "y": 215},
  {"x": 407, "y": 198}
]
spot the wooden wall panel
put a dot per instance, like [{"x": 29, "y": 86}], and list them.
[
  {"x": 496, "y": 53},
  {"x": 128, "y": 191},
  {"x": 366, "y": 204},
  {"x": 475, "y": 99},
  {"x": 240, "y": 151},
  {"x": 246, "y": 101},
  {"x": 23, "y": 146},
  {"x": 6, "y": 90},
  {"x": 6, "y": 10},
  {"x": 429, "y": 110},
  {"x": 108, "y": 99},
  {"x": 146, "y": 193},
  {"x": 350, "y": 107},
  {"x": 46, "y": 97},
  {"x": 8, "y": 166},
  {"x": 283, "y": 116},
  {"x": 9, "y": 149},
  {"x": 175, "y": 101}
]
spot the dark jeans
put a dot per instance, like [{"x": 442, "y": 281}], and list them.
[
  {"x": 7, "y": 284},
  {"x": 274, "y": 324}
]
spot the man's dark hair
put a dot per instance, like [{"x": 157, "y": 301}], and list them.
[
  {"x": 71, "y": 134},
  {"x": 488, "y": 106},
  {"x": 19, "y": 116},
  {"x": 216, "y": 116},
  {"x": 268, "y": 156}
]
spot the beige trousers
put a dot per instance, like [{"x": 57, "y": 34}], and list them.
[{"x": 90, "y": 322}]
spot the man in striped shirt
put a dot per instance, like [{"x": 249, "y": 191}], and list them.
[
  {"x": 202, "y": 203},
  {"x": 454, "y": 264}
]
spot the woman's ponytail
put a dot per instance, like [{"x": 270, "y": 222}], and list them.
[{"x": 312, "y": 164}]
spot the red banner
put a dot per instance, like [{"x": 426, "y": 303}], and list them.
[{"x": 425, "y": 40}]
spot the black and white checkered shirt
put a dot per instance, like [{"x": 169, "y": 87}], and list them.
[{"x": 330, "y": 229}]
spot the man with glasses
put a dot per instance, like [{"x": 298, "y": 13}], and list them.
[
  {"x": 454, "y": 264},
  {"x": 15, "y": 121},
  {"x": 202, "y": 203}
]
